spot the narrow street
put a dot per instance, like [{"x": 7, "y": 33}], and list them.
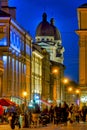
[{"x": 75, "y": 126}]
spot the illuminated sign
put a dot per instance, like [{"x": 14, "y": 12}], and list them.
[{"x": 84, "y": 99}]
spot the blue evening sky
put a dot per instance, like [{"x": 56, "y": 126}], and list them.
[{"x": 29, "y": 15}]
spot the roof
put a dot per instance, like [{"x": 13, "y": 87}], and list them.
[
  {"x": 36, "y": 47},
  {"x": 83, "y": 6},
  {"x": 57, "y": 64},
  {"x": 47, "y": 29},
  {"x": 4, "y": 14},
  {"x": 8, "y": 7}
]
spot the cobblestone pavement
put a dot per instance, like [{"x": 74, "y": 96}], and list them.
[{"x": 75, "y": 126}]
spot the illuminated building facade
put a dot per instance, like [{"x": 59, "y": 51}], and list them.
[
  {"x": 15, "y": 56},
  {"x": 82, "y": 33},
  {"x": 40, "y": 73},
  {"x": 46, "y": 92},
  {"x": 36, "y": 89},
  {"x": 49, "y": 38}
]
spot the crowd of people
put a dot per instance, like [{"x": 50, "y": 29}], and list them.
[
  {"x": 56, "y": 114},
  {"x": 64, "y": 113}
]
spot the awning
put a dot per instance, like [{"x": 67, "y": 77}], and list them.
[
  {"x": 1, "y": 110},
  {"x": 45, "y": 102},
  {"x": 6, "y": 102}
]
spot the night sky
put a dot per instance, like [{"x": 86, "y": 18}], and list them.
[{"x": 29, "y": 15}]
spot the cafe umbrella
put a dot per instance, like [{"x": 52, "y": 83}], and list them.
[
  {"x": 6, "y": 102},
  {"x": 1, "y": 110}
]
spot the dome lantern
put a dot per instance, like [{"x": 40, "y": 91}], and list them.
[{"x": 44, "y": 17}]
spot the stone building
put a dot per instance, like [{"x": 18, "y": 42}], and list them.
[
  {"x": 37, "y": 56},
  {"x": 82, "y": 33},
  {"x": 49, "y": 38},
  {"x": 40, "y": 89},
  {"x": 15, "y": 56}
]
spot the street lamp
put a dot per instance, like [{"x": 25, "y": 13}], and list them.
[
  {"x": 70, "y": 89},
  {"x": 77, "y": 91},
  {"x": 77, "y": 96},
  {"x": 57, "y": 88},
  {"x": 55, "y": 71},
  {"x": 25, "y": 109},
  {"x": 73, "y": 94},
  {"x": 65, "y": 82},
  {"x": 25, "y": 94}
]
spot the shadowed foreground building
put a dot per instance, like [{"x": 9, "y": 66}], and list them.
[{"x": 82, "y": 33}]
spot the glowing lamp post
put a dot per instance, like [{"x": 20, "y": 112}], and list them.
[
  {"x": 25, "y": 94},
  {"x": 77, "y": 94},
  {"x": 25, "y": 109},
  {"x": 77, "y": 91},
  {"x": 55, "y": 89},
  {"x": 55, "y": 71},
  {"x": 70, "y": 89},
  {"x": 58, "y": 89},
  {"x": 65, "y": 80}
]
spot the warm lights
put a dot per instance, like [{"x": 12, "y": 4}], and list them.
[
  {"x": 25, "y": 93},
  {"x": 77, "y": 91},
  {"x": 55, "y": 71},
  {"x": 70, "y": 89},
  {"x": 73, "y": 90},
  {"x": 65, "y": 80}
]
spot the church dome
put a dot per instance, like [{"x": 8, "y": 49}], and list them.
[{"x": 47, "y": 29}]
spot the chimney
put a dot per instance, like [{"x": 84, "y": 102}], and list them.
[{"x": 4, "y": 2}]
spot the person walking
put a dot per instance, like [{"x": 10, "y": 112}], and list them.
[
  {"x": 51, "y": 113},
  {"x": 77, "y": 113},
  {"x": 13, "y": 120},
  {"x": 64, "y": 113},
  {"x": 84, "y": 112}
]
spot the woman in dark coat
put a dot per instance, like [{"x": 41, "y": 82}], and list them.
[
  {"x": 64, "y": 113},
  {"x": 13, "y": 120}
]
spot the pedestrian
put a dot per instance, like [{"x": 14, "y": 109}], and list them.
[
  {"x": 51, "y": 113},
  {"x": 64, "y": 113},
  {"x": 58, "y": 114},
  {"x": 21, "y": 120},
  {"x": 71, "y": 113},
  {"x": 77, "y": 113},
  {"x": 84, "y": 112},
  {"x": 9, "y": 118},
  {"x": 13, "y": 120}
]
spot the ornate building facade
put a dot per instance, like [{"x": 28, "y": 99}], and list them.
[
  {"x": 15, "y": 56},
  {"x": 36, "y": 89},
  {"x": 49, "y": 38},
  {"x": 40, "y": 89}
]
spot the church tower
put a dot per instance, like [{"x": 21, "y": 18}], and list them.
[
  {"x": 82, "y": 33},
  {"x": 49, "y": 38}
]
